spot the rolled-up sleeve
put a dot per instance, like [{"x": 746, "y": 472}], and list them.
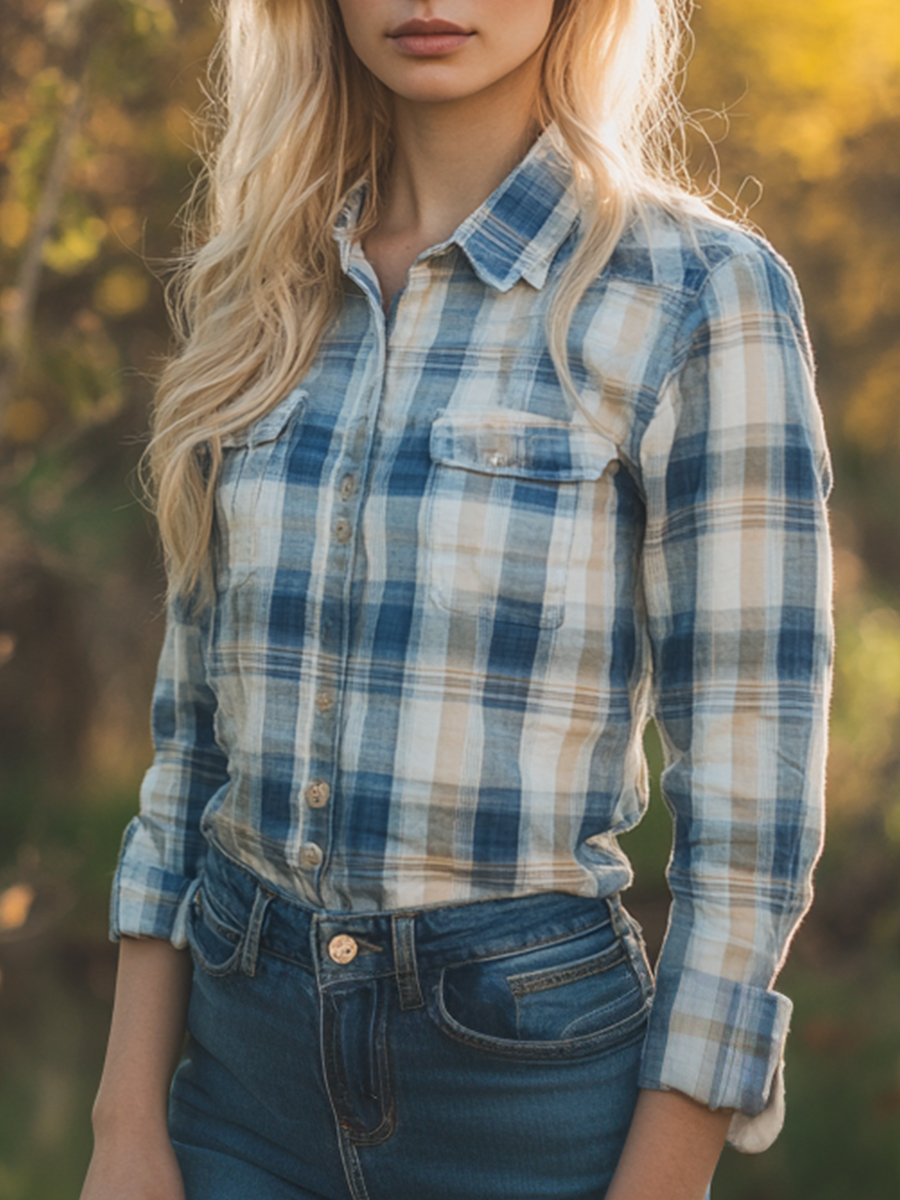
[
  {"x": 737, "y": 579},
  {"x": 163, "y": 845}
]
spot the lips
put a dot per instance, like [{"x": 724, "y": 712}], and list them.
[
  {"x": 429, "y": 38},
  {"x": 422, "y": 27}
]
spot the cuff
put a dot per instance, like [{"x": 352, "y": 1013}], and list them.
[
  {"x": 147, "y": 900},
  {"x": 752, "y": 1135},
  {"x": 721, "y": 1043}
]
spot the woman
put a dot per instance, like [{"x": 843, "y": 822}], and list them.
[{"x": 485, "y": 441}]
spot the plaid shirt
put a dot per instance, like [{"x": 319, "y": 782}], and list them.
[{"x": 448, "y": 600}]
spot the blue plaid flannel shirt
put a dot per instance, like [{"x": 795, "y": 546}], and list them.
[{"x": 447, "y": 601}]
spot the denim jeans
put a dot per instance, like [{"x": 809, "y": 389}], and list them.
[{"x": 476, "y": 1052}]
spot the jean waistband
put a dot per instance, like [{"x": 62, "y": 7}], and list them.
[{"x": 347, "y": 946}]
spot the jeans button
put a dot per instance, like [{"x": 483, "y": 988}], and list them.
[{"x": 342, "y": 949}]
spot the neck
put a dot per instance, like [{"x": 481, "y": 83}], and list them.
[{"x": 450, "y": 156}]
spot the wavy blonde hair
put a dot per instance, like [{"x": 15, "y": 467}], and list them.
[{"x": 297, "y": 121}]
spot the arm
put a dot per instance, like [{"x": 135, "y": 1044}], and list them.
[
  {"x": 672, "y": 1149},
  {"x": 737, "y": 589},
  {"x": 133, "y": 1157}
]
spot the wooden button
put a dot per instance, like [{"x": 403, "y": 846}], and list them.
[
  {"x": 311, "y": 855},
  {"x": 342, "y": 949},
  {"x": 318, "y": 794}
]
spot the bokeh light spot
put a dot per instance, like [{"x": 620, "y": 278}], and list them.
[
  {"x": 24, "y": 421},
  {"x": 15, "y": 905},
  {"x": 14, "y": 223},
  {"x": 121, "y": 291}
]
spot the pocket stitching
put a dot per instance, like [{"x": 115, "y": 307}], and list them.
[
  {"x": 217, "y": 916},
  {"x": 603, "y": 1039},
  {"x": 293, "y": 404},
  {"x": 452, "y": 430},
  {"x": 204, "y": 912},
  {"x": 595, "y": 1013},
  {"x": 551, "y": 977}
]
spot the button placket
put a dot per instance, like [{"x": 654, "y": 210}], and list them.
[{"x": 349, "y": 483}]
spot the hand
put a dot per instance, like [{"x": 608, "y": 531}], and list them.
[{"x": 140, "y": 1167}]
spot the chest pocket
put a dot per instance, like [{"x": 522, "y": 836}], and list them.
[
  {"x": 506, "y": 494},
  {"x": 250, "y": 493}
]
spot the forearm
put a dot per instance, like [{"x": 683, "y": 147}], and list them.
[
  {"x": 672, "y": 1149},
  {"x": 146, "y": 1035}
]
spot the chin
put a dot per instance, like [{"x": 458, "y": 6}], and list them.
[{"x": 434, "y": 86}]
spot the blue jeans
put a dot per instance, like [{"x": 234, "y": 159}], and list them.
[{"x": 474, "y": 1052}]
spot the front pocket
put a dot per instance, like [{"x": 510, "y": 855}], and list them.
[
  {"x": 250, "y": 490},
  {"x": 577, "y": 1003},
  {"x": 215, "y": 941},
  {"x": 505, "y": 496}
]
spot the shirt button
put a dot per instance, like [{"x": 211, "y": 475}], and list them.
[
  {"x": 324, "y": 701},
  {"x": 318, "y": 794},
  {"x": 348, "y": 487},
  {"x": 343, "y": 948},
  {"x": 497, "y": 459},
  {"x": 311, "y": 855},
  {"x": 343, "y": 531}
]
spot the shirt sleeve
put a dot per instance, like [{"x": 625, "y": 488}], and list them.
[
  {"x": 163, "y": 845},
  {"x": 737, "y": 579}
]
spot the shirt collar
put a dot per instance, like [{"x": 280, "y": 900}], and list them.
[{"x": 516, "y": 232}]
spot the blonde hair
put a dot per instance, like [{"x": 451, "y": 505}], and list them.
[{"x": 297, "y": 121}]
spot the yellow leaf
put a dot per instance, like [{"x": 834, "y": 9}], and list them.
[
  {"x": 76, "y": 247},
  {"x": 121, "y": 291}
]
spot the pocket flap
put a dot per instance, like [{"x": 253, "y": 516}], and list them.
[
  {"x": 520, "y": 444},
  {"x": 269, "y": 427}
]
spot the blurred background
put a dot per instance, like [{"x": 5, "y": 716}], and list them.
[{"x": 802, "y": 102}]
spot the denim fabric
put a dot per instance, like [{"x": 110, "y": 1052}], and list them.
[{"x": 484, "y": 1050}]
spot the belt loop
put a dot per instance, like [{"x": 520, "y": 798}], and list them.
[
  {"x": 250, "y": 951},
  {"x": 404, "y": 934},
  {"x": 618, "y": 920},
  {"x": 629, "y": 932}
]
